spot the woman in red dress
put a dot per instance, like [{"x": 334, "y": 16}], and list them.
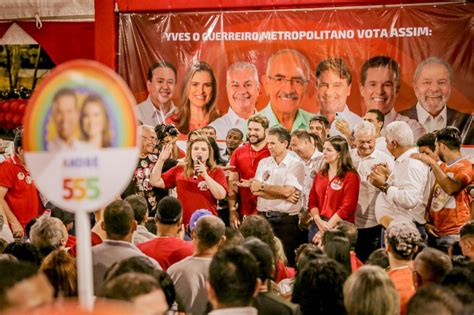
[
  {"x": 199, "y": 94},
  {"x": 335, "y": 191},
  {"x": 198, "y": 180}
]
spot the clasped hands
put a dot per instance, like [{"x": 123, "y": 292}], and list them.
[
  {"x": 256, "y": 189},
  {"x": 379, "y": 175}
]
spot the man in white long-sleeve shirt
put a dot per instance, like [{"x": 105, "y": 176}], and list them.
[
  {"x": 403, "y": 188},
  {"x": 364, "y": 157}
]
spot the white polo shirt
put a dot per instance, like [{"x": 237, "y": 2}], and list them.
[
  {"x": 405, "y": 196},
  {"x": 365, "y": 213},
  {"x": 290, "y": 172},
  {"x": 311, "y": 168}
]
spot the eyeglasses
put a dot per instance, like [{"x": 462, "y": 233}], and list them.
[
  {"x": 152, "y": 139},
  {"x": 280, "y": 81}
]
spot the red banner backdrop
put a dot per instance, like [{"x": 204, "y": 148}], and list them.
[{"x": 406, "y": 34}]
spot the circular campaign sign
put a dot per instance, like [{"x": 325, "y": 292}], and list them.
[{"x": 80, "y": 136}]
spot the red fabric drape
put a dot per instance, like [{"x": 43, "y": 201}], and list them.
[{"x": 62, "y": 41}]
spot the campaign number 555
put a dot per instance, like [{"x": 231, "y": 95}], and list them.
[{"x": 81, "y": 188}]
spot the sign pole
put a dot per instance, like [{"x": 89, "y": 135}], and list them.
[{"x": 84, "y": 260}]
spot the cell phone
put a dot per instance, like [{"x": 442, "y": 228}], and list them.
[{"x": 339, "y": 116}]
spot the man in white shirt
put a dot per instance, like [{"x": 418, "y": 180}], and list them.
[
  {"x": 364, "y": 157},
  {"x": 161, "y": 82},
  {"x": 302, "y": 145},
  {"x": 432, "y": 83},
  {"x": 191, "y": 274},
  {"x": 404, "y": 188},
  {"x": 379, "y": 87},
  {"x": 278, "y": 184},
  {"x": 140, "y": 212},
  {"x": 243, "y": 89},
  {"x": 333, "y": 85}
]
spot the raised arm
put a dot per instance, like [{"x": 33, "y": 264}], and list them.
[{"x": 155, "y": 176}]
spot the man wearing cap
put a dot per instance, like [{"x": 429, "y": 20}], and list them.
[
  {"x": 190, "y": 275},
  {"x": 168, "y": 248}
]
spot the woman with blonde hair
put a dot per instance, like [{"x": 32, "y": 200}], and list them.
[
  {"x": 199, "y": 95},
  {"x": 60, "y": 269},
  {"x": 369, "y": 291},
  {"x": 198, "y": 180}
]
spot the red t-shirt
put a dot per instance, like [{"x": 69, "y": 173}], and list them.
[
  {"x": 245, "y": 160},
  {"x": 450, "y": 213},
  {"x": 403, "y": 281},
  {"x": 22, "y": 196},
  {"x": 167, "y": 250},
  {"x": 284, "y": 272},
  {"x": 95, "y": 240},
  {"x": 339, "y": 195},
  {"x": 194, "y": 193}
]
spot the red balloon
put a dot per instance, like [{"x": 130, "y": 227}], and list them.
[
  {"x": 21, "y": 108},
  {"x": 17, "y": 120}
]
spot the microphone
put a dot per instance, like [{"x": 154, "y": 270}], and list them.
[{"x": 196, "y": 174}]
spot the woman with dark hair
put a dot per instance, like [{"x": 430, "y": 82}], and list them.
[
  {"x": 94, "y": 122},
  {"x": 318, "y": 288},
  {"x": 338, "y": 248},
  {"x": 198, "y": 105},
  {"x": 258, "y": 227},
  {"x": 198, "y": 180},
  {"x": 335, "y": 190}
]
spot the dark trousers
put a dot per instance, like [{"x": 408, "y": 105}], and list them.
[
  {"x": 368, "y": 240},
  {"x": 285, "y": 227}
]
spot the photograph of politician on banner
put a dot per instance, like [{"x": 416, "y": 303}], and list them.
[{"x": 297, "y": 64}]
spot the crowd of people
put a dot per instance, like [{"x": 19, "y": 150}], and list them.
[{"x": 292, "y": 213}]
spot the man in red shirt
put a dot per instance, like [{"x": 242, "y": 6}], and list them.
[
  {"x": 244, "y": 161},
  {"x": 168, "y": 248},
  {"x": 19, "y": 198}
]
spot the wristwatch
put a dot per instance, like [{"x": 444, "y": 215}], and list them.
[{"x": 384, "y": 188}]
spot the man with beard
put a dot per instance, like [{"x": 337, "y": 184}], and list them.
[
  {"x": 140, "y": 183},
  {"x": 450, "y": 204},
  {"x": 243, "y": 89},
  {"x": 379, "y": 88},
  {"x": 432, "y": 83},
  {"x": 244, "y": 161},
  {"x": 285, "y": 82},
  {"x": 161, "y": 82}
]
